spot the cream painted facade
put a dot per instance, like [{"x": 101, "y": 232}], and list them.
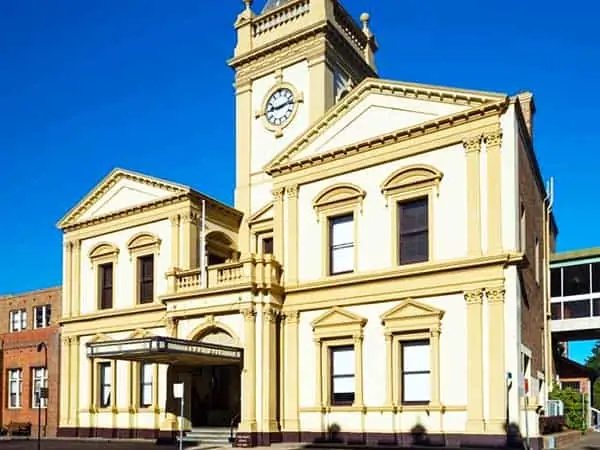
[{"x": 319, "y": 138}]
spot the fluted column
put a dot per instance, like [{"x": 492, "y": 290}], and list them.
[
  {"x": 292, "y": 235},
  {"x": 278, "y": 224},
  {"x": 269, "y": 370},
  {"x": 474, "y": 301},
  {"x": 248, "y": 419},
  {"x": 495, "y": 299},
  {"x": 472, "y": 147},
  {"x": 67, "y": 279},
  {"x": 493, "y": 141},
  {"x": 292, "y": 384}
]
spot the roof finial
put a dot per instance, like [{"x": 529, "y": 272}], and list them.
[
  {"x": 248, "y": 4},
  {"x": 364, "y": 18}
]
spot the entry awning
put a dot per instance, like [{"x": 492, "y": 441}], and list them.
[{"x": 165, "y": 350}]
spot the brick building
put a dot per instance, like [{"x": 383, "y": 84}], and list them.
[{"x": 26, "y": 321}]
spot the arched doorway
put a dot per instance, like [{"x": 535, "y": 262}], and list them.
[{"x": 215, "y": 390}]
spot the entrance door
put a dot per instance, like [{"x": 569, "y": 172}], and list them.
[{"x": 215, "y": 395}]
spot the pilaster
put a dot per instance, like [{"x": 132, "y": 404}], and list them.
[
  {"x": 269, "y": 370},
  {"x": 248, "y": 419},
  {"x": 358, "y": 370},
  {"x": 472, "y": 146},
  {"x": 175, "y": 244},
  {"x": 493, "y": 141},
  {"x": 278, "y": 224},
  {"x": 475, "y": 421},
  {"x": 292, "y": 382},
  {"x": 389, "y": 380},
  {"x": 292, "y": 235},
  {"x": 190, "y": 240},
  {"x": 497, "y": 398},
  {"x": 318, "y": 373},
  {"x": 74, "y": 382},
  {"x": 76, "y": 280},
  {"x": 321, "y": 86},
  {"x": 65, "y": 380},
  {"x": 68, "y": 282},
  {"x": 434, "y": 336}
]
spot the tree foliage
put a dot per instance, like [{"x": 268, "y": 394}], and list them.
[
  {"x": 593, "y": 362},
  {"x": 574, "y": 408}
]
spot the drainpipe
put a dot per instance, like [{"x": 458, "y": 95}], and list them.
[{"x": 547, "y": 205}]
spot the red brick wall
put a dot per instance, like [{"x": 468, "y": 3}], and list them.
[
  {"x": 532, "y": 306},
  {"x": 19, "y": 351}
]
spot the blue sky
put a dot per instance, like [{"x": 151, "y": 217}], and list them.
[{"x": 88, "y": 86}]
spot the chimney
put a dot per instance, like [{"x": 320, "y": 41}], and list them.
[{"x": 528, "y": 109}]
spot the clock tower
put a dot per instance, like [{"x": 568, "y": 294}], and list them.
[{"x": 293, "y": 61}]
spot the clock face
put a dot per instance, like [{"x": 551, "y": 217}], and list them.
[{"x": 280, "y": 106}]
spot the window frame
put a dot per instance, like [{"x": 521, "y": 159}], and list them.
[
  {"x": 402, "y": 344},
  {"x": 338, "y": 200},
  {"x": 408, "y": 184},
  {"x": 337, "y": 327},
  {"x": 139, "y": 246},
  {"x": 399, "y": 205},
  {"x": 44, "y": 384},
  {"x": 410, "y": 321},
  {"x": 140, "y": 260},
  {"x": 332, "y": 375},
  {"x": 330, "y": 247},
  {"x": 100, "y": 255},
  {"x": 46, "y": 315},
  {"x": 139, "y": 382},
  {"x": 100, "y": 384},
  {"x": 21, "y": 313},
  {"x": 19, "y": 382}
]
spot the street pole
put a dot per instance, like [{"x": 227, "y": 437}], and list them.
[
  {"x": 41, "y": 346},
  {"x": 181, "y": 426}
]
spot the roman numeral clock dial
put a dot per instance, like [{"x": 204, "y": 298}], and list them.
[{"x": 280, "y": 107}]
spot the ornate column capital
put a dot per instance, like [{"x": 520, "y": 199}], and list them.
[
  {"x": 493, "y": 138},
  {"x": 388, "y": 335},
  {"x": 67, "y": 340},
  {"x": 270, "y": 314},
  {"x": 248, "y": 312},
  {"x": 435, "y": 332},
  {"x": 495, "y": 295},
  {"x": 292, "y": 191},
  {"x": 357, "y": 338},
  {"x": 191, "y": 217},
  {"x": 472, "y": 143},
  {"x": 175, "y": 219},
  {"x": 277, "y": 194},
  {"x": 292, "y": 317},
  {"x": 474, "y": 297}
]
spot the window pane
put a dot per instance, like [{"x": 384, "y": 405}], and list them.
[
  {"x": 343, "y": 385},
  {"x": 556, "y": 310},
  {"x": 555, "y": 282},
  {"x": 576, "y": 279},
  {"x": 342, "y": 361},
  {"x": 413, "y": 216},
  {"x": 267, "y": 246},
  {"x": 342, "y": 259},
  {"x": 416, "y": 357},
  {"x": 146, "y": 395},
  {"x": 342, "y": 230},
  {"x": 416, "y": 387},
  {"x": 596, "y": 307},
  {"x": 414, "y": 248},
  {"x": 147, "y": 373},
  {"x": 596, "y": 277},
  {"x": 576, "y": 309}
]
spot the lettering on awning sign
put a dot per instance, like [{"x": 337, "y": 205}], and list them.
[{"x": 208, "y": 351}]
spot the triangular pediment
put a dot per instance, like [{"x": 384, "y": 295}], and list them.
[
  {"x": 121, "y": 190},
  {"x": 338, "y": 317},
  {"x": 263, "y": 214},
  {"x": 410, "y": 310},
  {"x": 375, "y": 109}
]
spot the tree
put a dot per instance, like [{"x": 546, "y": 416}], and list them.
[{"x": 593, "y": 363}]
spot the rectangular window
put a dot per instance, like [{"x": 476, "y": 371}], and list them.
[
  {"x": 146, "y": 278},
  {"x": 341, "y": 244},
  {"x": 15, "y": 386},
  {"x": 537, "y": 260},
  {"x": 413, "y": 224},
  {"x": 105, "y": 383},
  {"x": 267, "y": 245},
  {"x": 576, "y": 280},
  {"x": 39, "y": 375},
  {"x": 42, "y": 316},
  {"x": 556, "y": 282},
  {"x": 18, "y": 320},
  {"x": 576, "y": 385},
  {"x": 146, "y": 380},
  {"x": 342, "y": 375},
  {"x": 106, "y": 285},
  {"x": 416, "y": 372}
]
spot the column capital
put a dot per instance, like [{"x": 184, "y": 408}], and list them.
[
  {"x": 277, "y": 194},
  {"x": 292, "y": 317},
  {"x": 472, "y": 143},
  {"x": 175, "y": 219},
  {"x": 474, "y": 297},
  {"x": 191, "y": 217},
  {"x": 357, "y": 338},
  {"x": 248, "y": 312},
  {"x": 435, "y": 332},
  {"x": 66, "y": 340},
  {"x": 172, "y": 326},
  {"x": 270, "y": 314},
  {"x": 493, "y": 138},
  {"x": 292, "y": 191},
  {"x": 68, "y": 245},
  {"x": 495, "y": 295}
]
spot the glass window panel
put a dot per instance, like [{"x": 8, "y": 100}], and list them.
[
  {"x": 556, "y": 310},
  {"x": 343, "y": 361},
  {"x": 555, "y": 282},
  {"x": 576, "y": 309},
  {"x": 146, "y": 395},
  {"x": 147, "y": 373},
  {"x": 416, "y": 357},
  {"x": 414, "y": 248},
  {"x": 576, "y": 279},
  {"x": 343, "y": 385},
  {"x": 342, "y": 259},
  {"x": 267, "y": 246},
  {"x": 342, "y": 230},
  {"x": 413, "y": 216},
  {"x": 596, "y": 277},
  {"x": 416, "y": 387},
  {"x": 596, "y": 307}
]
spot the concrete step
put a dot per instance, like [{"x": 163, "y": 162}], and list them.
[{"x": 210, "y": 436}]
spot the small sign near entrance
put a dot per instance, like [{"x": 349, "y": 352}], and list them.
[{"x": 178, "y": 390}]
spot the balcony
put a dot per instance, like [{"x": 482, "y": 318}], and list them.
[{"x": 249, "y": 273}]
